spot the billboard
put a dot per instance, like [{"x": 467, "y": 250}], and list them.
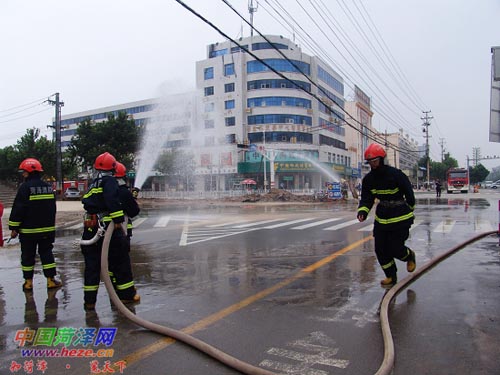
[{"x": 495, "y": 96}]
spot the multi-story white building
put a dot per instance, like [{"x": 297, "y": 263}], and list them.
[
  {"x": 298, "y": 140},
  {"x": 360, "y": 132},
  {"x": 246, "y": 102}
]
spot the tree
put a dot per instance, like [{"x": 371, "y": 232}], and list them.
[
  {"x": 30, "y": 145},
  {"x": 178, "y": 166},
  {"x": 118, "y": 136},
  {"x": 478, "y": 174}
]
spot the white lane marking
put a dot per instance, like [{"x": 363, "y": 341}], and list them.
[
  {"x": 138, "y": 221},
  {"x": 316, "y": 223},
  {"x": 254, "y": 224},
  {"x": 184, "y": 236},
  {"x": 445, "y": 226},
  {"x": 316, "y": 349},
  {"x": 343, "y": 225},
  {"x": 483, "y": 226},
  {"x": 288, "y": 223},
  {"x": 226, "y": 223},
  {"x": 163, "y": 221}
]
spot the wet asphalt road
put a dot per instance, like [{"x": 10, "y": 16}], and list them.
[{"x": 291, "y": 289}]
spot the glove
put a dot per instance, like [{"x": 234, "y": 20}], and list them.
[
  {"x": 135, "y": 192},
  {"x": 362, "y": 215}
]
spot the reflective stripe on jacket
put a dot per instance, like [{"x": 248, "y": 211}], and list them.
[
  {"x": 33, "y": 213},
  {"x": 395, "y": 194}
]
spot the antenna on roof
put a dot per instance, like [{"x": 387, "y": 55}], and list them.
[{"x": 252, "y": 9}]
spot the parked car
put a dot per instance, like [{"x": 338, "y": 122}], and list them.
[
  {"x": 72, "y": 193},
  {"x": 495, "y": 185},
  {"x": 487, "y": 184}
]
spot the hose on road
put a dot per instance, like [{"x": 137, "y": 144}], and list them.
[
  {"x": 213, "y": 352},
  {"x": 388, "y": 362}
]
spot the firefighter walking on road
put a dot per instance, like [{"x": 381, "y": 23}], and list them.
[
  {"x": 103, "y": 207},
  {"x": 33, "y": 218},
  {"x": 393, "y": 215}
]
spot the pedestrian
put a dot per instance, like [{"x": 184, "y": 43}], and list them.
[
  {"x": 438, "y": 189},
  {"x": 33, "y": 218},
  {"x": 130, "y": 208},
  {"x": 393, "y": 215},
  {"x": 103, "y": 208}
]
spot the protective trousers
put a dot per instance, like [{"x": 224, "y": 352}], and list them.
[
  {"x": 390, "y": 245},
  {"x": 28, "y": 252},
  {"x": 119, "y": 264}
]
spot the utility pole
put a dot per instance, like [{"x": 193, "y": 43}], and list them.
[
  {"x": 426, "y": 124},
  {"x": 59, "y": 180},
  {"x": 441, "y": 143},
  {"x": 252, "y": 9},
  {"x": 476, "y": 155}
]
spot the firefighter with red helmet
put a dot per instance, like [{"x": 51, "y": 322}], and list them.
[
  {"x": 393, "y": 215},
  {"x": 130, "y": 208},
  {"x": 127, "y": 199},
  {"x": 33, "y": 218},
  {"x": 102, "y": 205}
]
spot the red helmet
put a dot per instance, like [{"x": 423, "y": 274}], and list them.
[
  {"x": 105, "y": 162},
  {"x": 374, "y": 151},
  {"x": 30, "y": 165},
  {"x": 120, "y": 170}
]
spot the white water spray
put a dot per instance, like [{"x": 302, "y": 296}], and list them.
[
  {"x": 334, "y": 177},
  {"x": 172, "y": 118}
]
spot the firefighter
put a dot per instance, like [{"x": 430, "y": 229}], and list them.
[
  {"x": 102, "y": 205},
  {"x": 393, "y": 215},
  {"x": 33, "y": 218},
  {"x": 127, "y": 198},
  {"x": 129, "y": 206}
]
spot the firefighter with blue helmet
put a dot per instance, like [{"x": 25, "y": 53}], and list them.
[
  {"x": 393, "y": 215},
  {"x": 103, "y": 208}
]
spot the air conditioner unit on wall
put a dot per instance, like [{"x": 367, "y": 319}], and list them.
[{"x": 248, "y": 110}]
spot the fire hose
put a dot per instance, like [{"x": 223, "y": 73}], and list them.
[
  {"x": 213, "y": 352},
  {"x": 246, "y": 368},
  {"x": 388, "y": 362}
]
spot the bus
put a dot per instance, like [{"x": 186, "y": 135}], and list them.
[{"x": 457, "y": 179}]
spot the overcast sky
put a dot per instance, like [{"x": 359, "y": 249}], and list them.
[{"x": 102, "y": 53}]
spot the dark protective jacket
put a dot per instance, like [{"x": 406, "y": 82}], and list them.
[
  {"x": 395, "y": 194},
  {"x": 33, "y": 213},
  {"x": 102, "y": 198},
  {"x": 129, "y": 204}
]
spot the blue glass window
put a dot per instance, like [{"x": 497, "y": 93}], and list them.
[
  {"x": 229, "y": 104},
  {"x": 281, "y": 65},
  {"x": 229, "y": 69},
  {"x": 230, "y": 121},
  {"x": 330, "y": 80},
  {"x": 208, "y": 73},
  {"x": 277, "y": 84},
  {"x": 209, "y": 91},
  {"x": 229, "y": 87},
  {"x": 278, "y": 101},
  {"x": 216, "y": 53},
  {"x": 265, "y": 45},
  {"x": 279, "y": 119}
]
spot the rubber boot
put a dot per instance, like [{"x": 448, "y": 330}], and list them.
[
  {"x": 53, "y": 283},
  {"x": 89, "y": 306},
  {"x": 28, "y": 285},
  {"x": 389, "y": 281},
  {"x": 412, "y": 263},
  {"x": 134, "y": 299}
]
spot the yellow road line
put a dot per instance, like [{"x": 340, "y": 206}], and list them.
[{"x": 203, "y": 323}]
